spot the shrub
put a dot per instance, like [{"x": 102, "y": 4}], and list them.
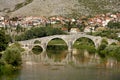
[{"x": 12, "y": 56}]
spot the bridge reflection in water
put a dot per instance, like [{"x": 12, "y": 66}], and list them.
[
  {"x": 83, "y": 59},
  {"x": 72, "y": 55}
]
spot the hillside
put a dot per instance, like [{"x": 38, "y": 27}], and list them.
[
  {"x": 8, "y": 5},
  {"x": 58, "y": 7}
]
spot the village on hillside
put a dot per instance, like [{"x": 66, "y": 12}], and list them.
[{"x": 95, "y": 23}]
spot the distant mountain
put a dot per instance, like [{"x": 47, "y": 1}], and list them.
[{"x": 58, "y": 7}]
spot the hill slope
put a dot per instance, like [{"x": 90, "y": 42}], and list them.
[{"x": 62, "y": 7}]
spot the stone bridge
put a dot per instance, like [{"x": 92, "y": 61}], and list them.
[{"x": 69, "y": 40}]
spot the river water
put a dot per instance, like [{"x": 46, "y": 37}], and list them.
[{"x": 65, "y": 65}]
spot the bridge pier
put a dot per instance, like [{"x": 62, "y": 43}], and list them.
[
  {"x": 44, "y": 56},
  {"x": 44, "y": 46},
  {"x": 68, "y": 57},
  {"x": 30, "y": 46},
  {"x": 70, "y": 46}
]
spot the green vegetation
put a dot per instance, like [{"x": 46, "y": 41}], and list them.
[
  {"x": 11, "y": 59},
  {"x": 37, "y": 42},
  {"x": 4, "y": 40},
  {"x": 19, "y": 28},
  {"x": 85, "y": 44},
  {"x": 81, "y": 26},
  {"x": 103, "y": 50},
  {"x": 68, "y": 25},
  {"x": 56, "y": 48},
  {"x": 102, "y": 47},
  {"x": 56, "y": 52},
  {"x": 12, "y": 56},
  {"x": 20, "y": 5},
  {"x": 96, "y": 6},
  {"x": 57, "y": 41},
  {"x": 57, "y": 44},
  {"x": 111, "y": 34},
  {"x": 110, "y": 51},
  {"x": 113, "y": 51},
  {"x": 106, "y": 51},
  {"x": 114, "y": 25},
  {"x": 37, "y": 50},
  {"x": 38, "y": 32}
]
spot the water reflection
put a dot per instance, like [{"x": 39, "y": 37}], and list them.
[
  {"x": 57, "y": 56},
  {"x": 61, "y": 56},
  {"x": 43, "y": 66},
  {"x": 76, "y": 56}
]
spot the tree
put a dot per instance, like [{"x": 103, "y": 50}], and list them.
[
  {"x": 3, "y": 40},
  {"x": 104, "y": 41},
  {"x": 113, "y": 51},
  {"x": 82, "y": 26},
  {"x": 101, "y": 50},
  {"x": 68, "y": 25},
  {"x": 38, "y": 32},
  {"x": 114, "y": 25},
  {"x": 18, "y": 28},
  {"x": 12, "y": 56}
]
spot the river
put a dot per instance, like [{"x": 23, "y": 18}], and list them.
[{"x": 65, "y": 65}]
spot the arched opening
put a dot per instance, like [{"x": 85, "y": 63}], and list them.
[
  {"x": 37, "y": 49},
  {"x": 83, "y": 49},
  {"x": 37, "y": 42},
  {"x": 57, "y": 49}
]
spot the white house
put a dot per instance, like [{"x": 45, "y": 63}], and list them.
[
  {"x": 89, "y": 29},
  {"x": 74, "y": 30},
  {"x": 118, "y": 34}
]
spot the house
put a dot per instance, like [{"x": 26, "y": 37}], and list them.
[
  {"x": 118, "y": 35},
  {"x": 74, "y": 30},
  {"x": 2, "y": 18},
  {"x": 106, "y": 21},
  {"x": 89, "y": 29},
  {"x": 64, "y": 29}
]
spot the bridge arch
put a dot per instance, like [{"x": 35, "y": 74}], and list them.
[
  {"x": 36, "y": 45},
  {"x": 88, "y": 37},
  {"x": 66, "y": 42},
  {"x": 56, "y": 47},
  {"x": 36, "y": 49}
]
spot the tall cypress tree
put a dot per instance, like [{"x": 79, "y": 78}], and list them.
[{"x": 3, "y": 40}]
